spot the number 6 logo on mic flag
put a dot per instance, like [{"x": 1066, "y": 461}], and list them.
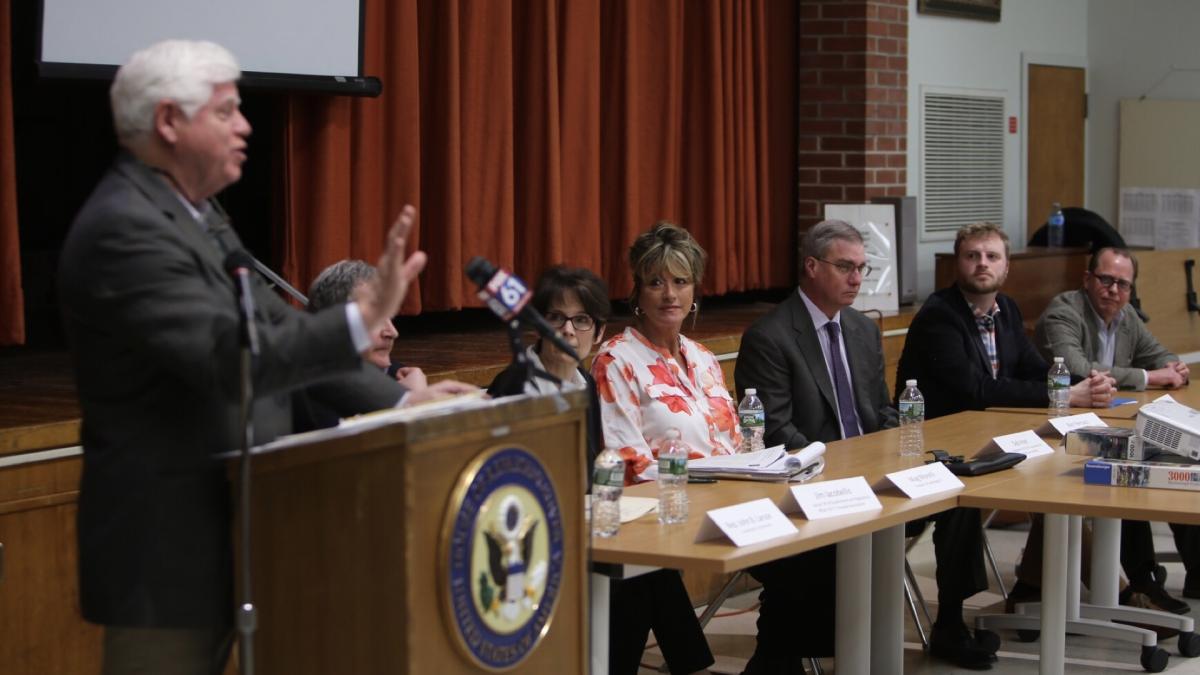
[{"x": 506, "y": 294}]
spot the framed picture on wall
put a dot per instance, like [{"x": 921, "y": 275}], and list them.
[{"x": 984, "y": 10}]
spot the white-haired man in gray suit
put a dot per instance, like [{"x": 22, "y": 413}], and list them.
[{"x": 149, "y": 312}]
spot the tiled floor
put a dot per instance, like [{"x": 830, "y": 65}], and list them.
[{"x": 731, "y": 635}]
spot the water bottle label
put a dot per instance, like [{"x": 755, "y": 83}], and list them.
[
  {"x": 609, "y": 477},
  {"x": 912, "y": 409},
  {"x": 756, "y": 418},
  {"x": 1058, "y": 382},
  {"x": 674, "y": 466}
]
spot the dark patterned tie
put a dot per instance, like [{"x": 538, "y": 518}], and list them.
[
  {"x": 217, "y": 228},
  {"x": 845, "y": 398}
]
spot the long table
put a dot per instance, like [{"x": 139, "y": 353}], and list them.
[
  {"x": 870, "y": 546},
  {"x": 1189, "y": 396},
  {"x": 1050, "y": 484}
]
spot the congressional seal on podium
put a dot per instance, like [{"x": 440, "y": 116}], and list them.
[{"x": 502, "y": 548}]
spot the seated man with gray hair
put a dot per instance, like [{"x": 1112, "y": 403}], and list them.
[
  {"x": 335, "y": 285},
  {"x": 817, "y": 364},
  {"x": 340, "y": 283}
]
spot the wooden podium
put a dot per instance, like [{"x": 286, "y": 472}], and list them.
[{"x": 355, "y": 545}]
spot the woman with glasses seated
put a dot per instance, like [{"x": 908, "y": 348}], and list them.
[{"x": 574, "y": 302}]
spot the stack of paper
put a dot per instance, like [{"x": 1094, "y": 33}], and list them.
[{"x": 771, "y": 464}]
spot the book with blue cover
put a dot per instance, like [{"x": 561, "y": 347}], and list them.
[{"x": 1132, "y": 473}]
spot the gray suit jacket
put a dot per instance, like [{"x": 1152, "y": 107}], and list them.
[
  {"x": 1068, "y": 329},
  {"x": 149, "y": 312},
  {"x": 781, "y": 357}
]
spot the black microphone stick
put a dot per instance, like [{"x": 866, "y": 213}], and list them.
[
  {"x": 238, "y": 264},
  {"x": 508, "y": 297}
]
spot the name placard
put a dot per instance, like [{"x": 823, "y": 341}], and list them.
[
  {"x": 1025, "y": 442},
  {"x": 746, "y": 523},
  {"x": 925, "y": 480},
  {"x": 835, "y": 498},
  {"x": 1061, "y": 425}
]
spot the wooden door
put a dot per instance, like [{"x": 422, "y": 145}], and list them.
[{"x": 1057, "y": 110}]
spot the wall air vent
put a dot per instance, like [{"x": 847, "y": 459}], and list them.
[{"x": 962, "y": 162}]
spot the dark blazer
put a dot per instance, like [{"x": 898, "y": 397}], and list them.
[
  {"x": 945, "y": 354},
  {"x": 149, "y": 312},
  {"x": 511, "y": 381},
  {"x": 781, "y": 357}
]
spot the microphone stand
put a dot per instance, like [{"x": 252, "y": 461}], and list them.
[
  {"x": 247, "y": 613},
  {"x": 522, "y": 360},
  {"x": 278, "y": 281}
]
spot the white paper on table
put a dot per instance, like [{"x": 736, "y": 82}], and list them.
[
  {"x": 1165, "y": 397},
  {"x": 633, "y": 508},
  {"x": 774, "y": 460},
  {"x": 1061, "y": 425}
]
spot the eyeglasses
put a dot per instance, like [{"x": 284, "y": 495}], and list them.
[
  {"x": 581, "y": 322},
  {"x": 1107, "y": 282},
  {"x": 846, "y": 268}
]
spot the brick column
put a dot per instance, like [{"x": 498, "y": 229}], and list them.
[{"x": 853, "y": 102}]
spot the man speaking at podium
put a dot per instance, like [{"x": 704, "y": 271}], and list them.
[{"x": 150, "y": 314}]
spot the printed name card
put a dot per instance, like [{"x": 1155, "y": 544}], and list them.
[
  {"x": 746, "y": 523},
  {"x": 1061, "y": 425},
  {"x": 835, "y": 498},
  {"x": 925, "y": 480},
  {"x": 1026, "y": 442}
]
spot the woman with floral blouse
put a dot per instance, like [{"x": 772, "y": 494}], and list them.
[{"x": 650, "y": 379}]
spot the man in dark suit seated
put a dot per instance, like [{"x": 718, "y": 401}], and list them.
[
  {"x": 336, "y": 285},
  {"x": 818, "y": 367},
  {"x": 967, "y": 350},
  {"x": 1096, "y": 328},
  {"x": 150, "y": 314}
]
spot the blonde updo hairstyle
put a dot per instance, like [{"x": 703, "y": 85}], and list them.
[{"x": 669, "y": 247}]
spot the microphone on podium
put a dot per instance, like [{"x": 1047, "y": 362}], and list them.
[
  {"x": 238, "y": 264},
  {"x": 508, "y": 297}
]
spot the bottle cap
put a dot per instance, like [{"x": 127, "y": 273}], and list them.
[
  {"x": 910, "y": 383},
  {"x": 751, "y": 391},
  {"x": 1058, "y": 359}
]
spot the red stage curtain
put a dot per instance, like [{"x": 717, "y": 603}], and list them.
[
  {"x": 549, "y": 131},
  {"x": 12, "y": 304}
]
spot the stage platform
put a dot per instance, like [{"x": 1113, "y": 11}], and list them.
[{"x": 39, "y": 408}]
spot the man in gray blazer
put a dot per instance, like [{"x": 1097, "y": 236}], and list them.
[
  {"x": 1095, "y": 328},
  {"x": 818, "y": 367},
  {"x": 150, "y": 314}
]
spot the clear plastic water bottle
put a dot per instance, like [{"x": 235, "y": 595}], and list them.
[
  {"x": 608, "y": 481},
  {"x": 672, "y": 479},
  {"x": 753, "y": 420},
  {"x": 912, "y": 417},
  {"x": 1058, "y": 388},
  {"x": 1056, "y": 226}
]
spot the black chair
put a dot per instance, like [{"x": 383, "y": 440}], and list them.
[{"x": 1083, "y": 228}]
